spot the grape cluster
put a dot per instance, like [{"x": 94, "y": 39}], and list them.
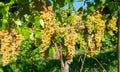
[
  {"x": 49, "y": 28},
  {"x": 112, "y": 26},
  {"x": 100, "y": 27},
  {"x": 82, "y": 43},
  {"x": 69, "y": 42},
  {"x": 76, "y": 20},
  {"x": 91, "y": 45},
  {"x": 89, "y": 24},
  {"x": 96, "y": 27},
  {"x": 61, "y": 31},
  {"x": 10, "y": 42}
]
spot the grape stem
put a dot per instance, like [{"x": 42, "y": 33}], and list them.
[
  {"x": 64, "y": 66},
  {"x": 104, "y": 70},
  {"x": 57, "y": 50},
  {"x": 77, "y": 27}
]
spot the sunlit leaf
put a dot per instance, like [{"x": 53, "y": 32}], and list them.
[
  {"x": 18, "y": 22},
  {"x": 58, "y": 39},
  {"x": 37, "y": 21},
  {"x": 2, "y": 4},
  {"x": 70, "y": 19},
  {"x": 32, "y": 36},
  {"x": 4, "y": 24},
  {"x": 42, "y": 23},
  {"x": 25, "y": 32},
  {"x": 91, "y": 8},
  {"x": 103, "y": 1},
  {"x": 1, "y": 70},
  {"x": 51, "y": 51},
  {"x": 26, "y": 17},
  {"x": 38, "y": 34}
]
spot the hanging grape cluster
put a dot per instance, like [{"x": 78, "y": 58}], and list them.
[
  {"x": 10, "y": 42},
  {"x": 112, "y": 26},
  {"x": 48, "y": 29},
  {"x": 69, "y": 42},
  {"x": 96, "y": 27},
  {"x": 82, "y": 43},
  {"x": 77, "y": 20},
  {"x": 61, "y": 31},
  {"x": 51, "y": 28}
]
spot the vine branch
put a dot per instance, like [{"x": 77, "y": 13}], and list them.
[{"x": 99, "y": 63}]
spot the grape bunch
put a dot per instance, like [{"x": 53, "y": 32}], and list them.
[
  {"x": 100, "y": 28},
  {"x": 89, "y": 24},
  {"x": 96, "y": 27},
  {"x": 112, "y": 26},
  {"x": 10, "y": 42},
  {"x": 91, "y": 45},
  {"x": 49, "y": 28},
  {"x": 69, "y": 42},
  {"x": 76, "y": 20},
  {"x": 82, "y": 43},
  {"x": 61, "y": 31}
]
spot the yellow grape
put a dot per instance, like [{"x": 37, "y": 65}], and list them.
[{"x": 10, "y": 41}]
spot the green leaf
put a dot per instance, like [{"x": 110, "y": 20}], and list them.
[
  {"x": 110, "y": 5},
  {"x": 58, "y": 39},
  {"x": 79, "y": 36},
  {"x": 103, "y": 39},
  {"x": 51, "y": 51},
  {"x": 37, "y": 49},
  {"x": 19, "y": 30},
  {"x": 103, "y": 1},
  {"x": 38, "y": 35},
  {"x": 1, "y": 70},
  {"x": 25, "y": 32},
  {"x": 10, "y": 3},
  {"x": 2, "y": 4},
  {"x": 4, "y": 24},
  {"x": 58, "y": 3},
  {"x": 37, "y": 21},
  {"x": 115, "y": 13},
  {"x": 70, "y": 19},
  {"x": 91, "y": 8},
  {"x": 79, "y": 0}
]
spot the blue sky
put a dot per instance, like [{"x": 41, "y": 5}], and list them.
[{"x": 78, "y": 4}]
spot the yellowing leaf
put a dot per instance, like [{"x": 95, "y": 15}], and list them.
[
  {"x": 18, "y": 22},
  {"x": 42, "y": 23}
]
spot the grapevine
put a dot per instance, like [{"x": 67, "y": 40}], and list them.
[{"x": 33, "y": 31}]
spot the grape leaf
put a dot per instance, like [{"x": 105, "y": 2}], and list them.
[
  {"x": 51, "y": 51},
  {"x": 91, "y": 8},
  {"x": 38, "y": 34},
  {"x": 58, "y": 39}
]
